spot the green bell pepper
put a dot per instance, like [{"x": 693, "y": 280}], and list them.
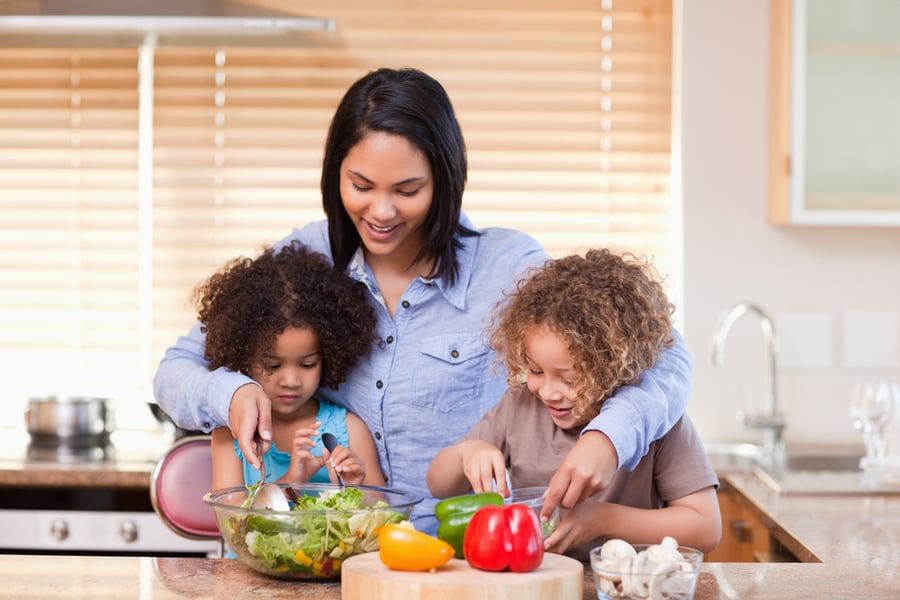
[{"x": 455, "y": 513}]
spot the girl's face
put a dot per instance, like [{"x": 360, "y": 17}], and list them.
[
  {"x": 551, "y": 374},
  {"x": 386, "y": 188},
  {"x": 291, "y": 374}
]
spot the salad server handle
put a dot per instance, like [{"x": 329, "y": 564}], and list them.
[{"x": 331, "y": 443}]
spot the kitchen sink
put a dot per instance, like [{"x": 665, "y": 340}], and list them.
[
  {"x": 823, "y": 462},
  {"x": 814, "y": 470},
  {"x": 745, "y": 456}
]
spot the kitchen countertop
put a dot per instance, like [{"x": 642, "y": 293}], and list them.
[
  {"x": 125, "y": 463},
  {"x": 857, "y": 538}
]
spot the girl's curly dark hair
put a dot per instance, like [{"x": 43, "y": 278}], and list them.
[
  {"x": 611, "y": 309},
  {"x": 245, "y": 305}
]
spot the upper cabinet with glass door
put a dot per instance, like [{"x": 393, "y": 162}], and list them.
[{"x": 835, "y": 112}]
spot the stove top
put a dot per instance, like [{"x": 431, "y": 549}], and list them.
[
  {"x": 126, "y": 446},
  {"x": 64, "y": 453}
]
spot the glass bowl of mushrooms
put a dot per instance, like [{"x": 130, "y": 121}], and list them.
[{"x": 642, "y": 572}]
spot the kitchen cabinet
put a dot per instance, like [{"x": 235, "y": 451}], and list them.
[
  {"x": 746, "y": 533},
  {"x": 744, "y": 536},
  {"x": 834, "y": 156}
]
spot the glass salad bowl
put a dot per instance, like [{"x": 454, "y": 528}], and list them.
[{"x": 324, "y": 526}]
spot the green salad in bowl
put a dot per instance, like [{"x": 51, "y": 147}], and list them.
[{"x": 325, "y": 525}]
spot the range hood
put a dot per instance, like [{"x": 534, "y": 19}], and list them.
[{"x": 130, "y": 23}]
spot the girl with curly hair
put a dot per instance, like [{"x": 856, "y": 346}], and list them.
[
  {"x": 291, "y": 323},
  {"x": 570, "y": 336}
]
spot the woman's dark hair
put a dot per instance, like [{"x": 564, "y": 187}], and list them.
[{"x": 411, "y": 104}]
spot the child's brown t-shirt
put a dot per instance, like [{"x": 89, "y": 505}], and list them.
[{"x": 520, "y": 426}]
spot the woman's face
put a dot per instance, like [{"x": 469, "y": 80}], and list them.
[
  {"x": 291, "y": 374},
  {"x": 387, "y": 188},
  {"x": 551, "y": 374}
]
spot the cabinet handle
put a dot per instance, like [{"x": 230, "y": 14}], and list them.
[
  {"x": 742, "y": 530},
  {"x": 128, "y": 530},
  {"x": 59, "y": 529}
]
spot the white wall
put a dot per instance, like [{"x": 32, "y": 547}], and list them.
[{"x": 831, "y": 291}]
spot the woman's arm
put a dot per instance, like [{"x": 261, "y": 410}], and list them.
[
  {"x": 199, "y": 399},
  {"x": 637, "y": 415},
  {"x": 693, "y": 520},
  {"x": 621, "y": 434},
  {"x": 193, "y": 396}
]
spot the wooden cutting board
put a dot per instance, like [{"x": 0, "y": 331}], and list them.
[{"x": 364, "y": 577}]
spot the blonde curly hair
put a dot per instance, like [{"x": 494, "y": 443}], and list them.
[{"x": 610, "y": 308}]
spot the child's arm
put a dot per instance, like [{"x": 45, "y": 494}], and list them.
[
  {"x": 469, "y": 465},
  {"x": 693, "y": 520},
  {"x": 359, "y": 465},
  {"x": 227, "y": 470}
]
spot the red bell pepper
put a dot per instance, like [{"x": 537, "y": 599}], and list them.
[{"x": 501, "y": 538}]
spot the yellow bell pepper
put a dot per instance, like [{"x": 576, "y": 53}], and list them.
[{"x": 405, "y": 549}]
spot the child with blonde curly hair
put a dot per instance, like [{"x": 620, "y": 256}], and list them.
[
  {"x": 291, "y": 322},
  {"x": 570, "y": 335}
]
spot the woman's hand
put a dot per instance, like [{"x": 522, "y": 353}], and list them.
[
  {"x": 303, "y": 463},
  {"x": 345, "y": 463},
  {"x": 587, "y": 469},
  {"x": 250, "y": 420},
  {"x": 483, "y": 463}
]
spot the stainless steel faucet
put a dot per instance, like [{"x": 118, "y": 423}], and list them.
[{"x": 771, "y": 420}]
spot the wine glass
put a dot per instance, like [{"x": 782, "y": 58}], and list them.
[{"x": 872, "y": 409}]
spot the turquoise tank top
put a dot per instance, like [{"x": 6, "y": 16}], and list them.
[{"x": 334, "y": 421}]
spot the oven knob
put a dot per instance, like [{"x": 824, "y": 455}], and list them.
[
  {"x": 128, "y": 530},
  {"x": 59, "y": 529}
]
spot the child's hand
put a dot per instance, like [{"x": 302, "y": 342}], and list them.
[
  {"x": 573, "y": 529},
  {"x": 483, "y": 463},
  {"x": 342, "y": 461},
  {"x": 303, "y": 464}
]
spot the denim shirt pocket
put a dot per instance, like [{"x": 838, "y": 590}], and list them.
[{"x": 450, "y": 371}]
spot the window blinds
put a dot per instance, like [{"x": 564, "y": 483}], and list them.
[{"x": 565, "y": 107}]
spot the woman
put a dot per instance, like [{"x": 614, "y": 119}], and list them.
[{"x": 392, "y": 185}]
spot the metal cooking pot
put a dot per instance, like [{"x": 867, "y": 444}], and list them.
[{"x": 67, "y": 418}]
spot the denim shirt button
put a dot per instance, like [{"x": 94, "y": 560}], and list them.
[
  {"x": 405, "y": 304},
  {"x": 454, "y": 353},
  {"x": 379, "y": 384},
  {"x": 377, "y": 435},
  {"x": 390, "y": 339}
]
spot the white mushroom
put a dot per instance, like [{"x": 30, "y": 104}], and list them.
[
  {"x": 669, "y": 542},
  {"x": 607, "y": 586},
  {"x": 637, "y": 583},
  {"x": 664, "y": 553},
  {"x": 659, "y": 586},
  {"x": 616, "y": 548}
]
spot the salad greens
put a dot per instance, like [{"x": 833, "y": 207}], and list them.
[{"x": 315, "y": 540}]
